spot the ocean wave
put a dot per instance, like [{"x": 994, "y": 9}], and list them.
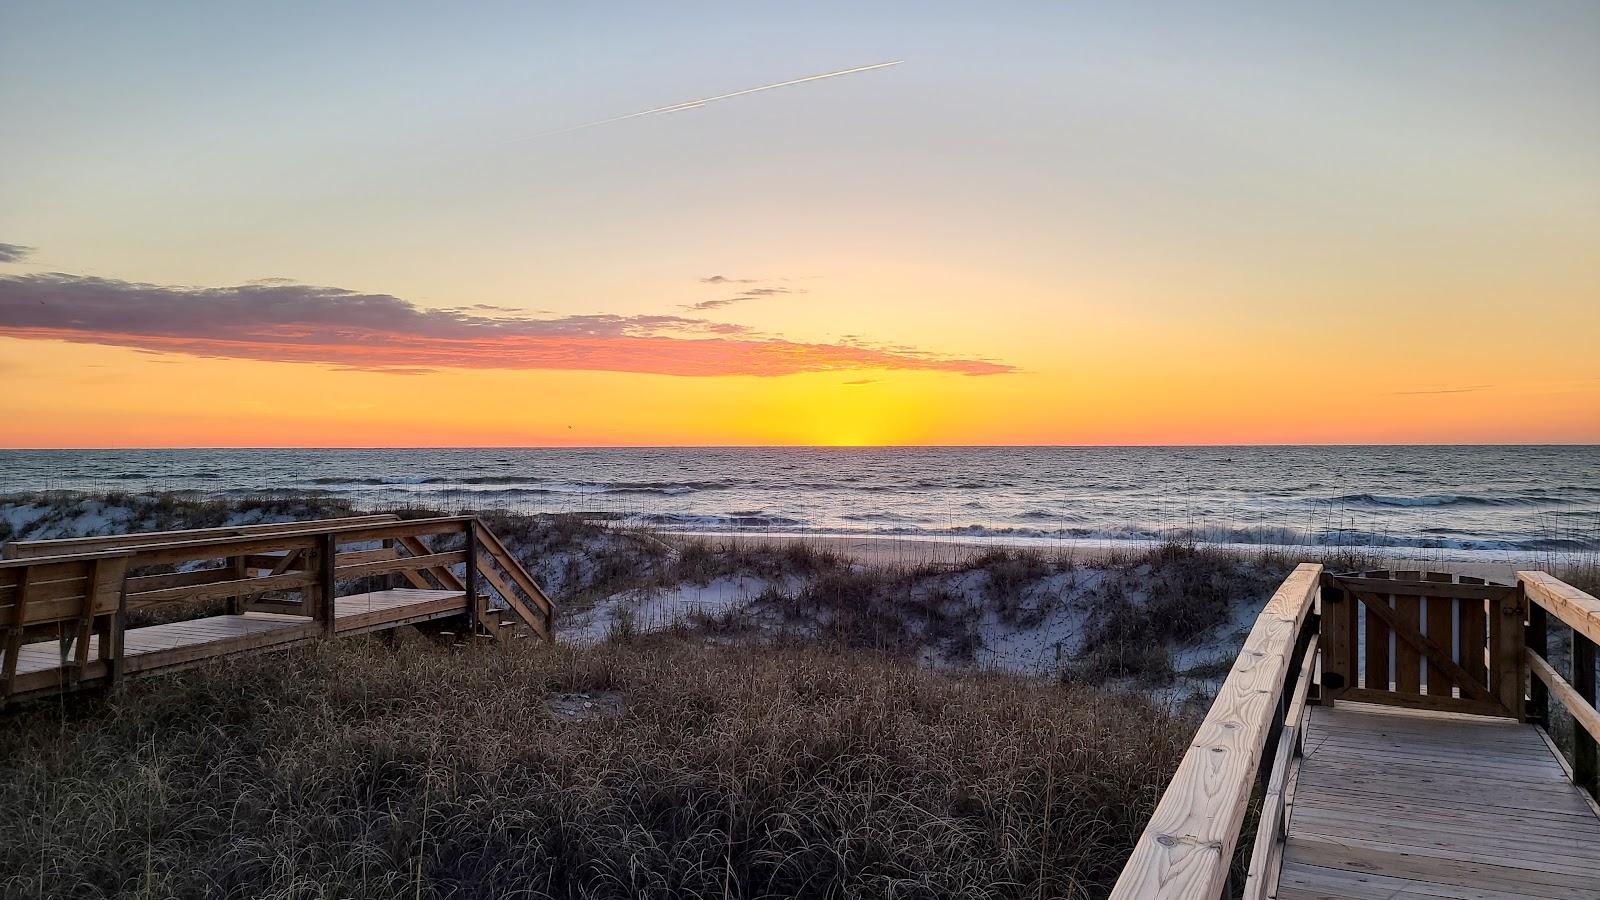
[
  {"x": 517, "y": 484},
  {"x": 710, "y": 520},
  {"x": 1432, "y": 500}
]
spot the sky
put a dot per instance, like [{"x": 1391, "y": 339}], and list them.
[{"x": 1045, "y": 223}]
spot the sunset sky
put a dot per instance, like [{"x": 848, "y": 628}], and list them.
[{"x": 1065, "y": 223}]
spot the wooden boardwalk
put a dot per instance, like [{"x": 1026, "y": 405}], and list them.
[
  {"x": 64, "y": 604},
  {"x": 176, "y": 645},
  {"x": 1397, "y": 803},
  {"x": 1393, "y": 727}
]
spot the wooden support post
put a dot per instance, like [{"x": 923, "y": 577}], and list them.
[
  {"x": 471, "y": 581},
  {"x": 387, "y": 579},
  {"x": 1585, "y": 766},
  {"x": 327, "y": 547},
  {"x": 1538, "y": 640},
  {"x": 119, "y": 631},
  {"x": 1508, "y": 660},
  {"x": 236, "y": 566},
  {"x": 19, "y": 613},
  {"x": 1336, "y": 638}
]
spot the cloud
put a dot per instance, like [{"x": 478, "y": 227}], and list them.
[
  {"x": 14, "y": 253},
  {"x": 287, "y": 322},
  {"x": 722, "y": 279},
  {"x": 1455, "y": 390},
  {"x": 750, "y": 294},
  {"x": 861, "y": 381}
]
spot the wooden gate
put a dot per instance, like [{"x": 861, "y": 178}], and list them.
[{"x": 1425, "y": 640}]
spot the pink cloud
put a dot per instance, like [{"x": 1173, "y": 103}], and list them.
[{"x": 287, "y": 322}]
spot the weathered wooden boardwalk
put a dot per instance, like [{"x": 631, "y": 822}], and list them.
[
  {"x": 1392, "y": 728},
  {"x": 65, "y": 605}
]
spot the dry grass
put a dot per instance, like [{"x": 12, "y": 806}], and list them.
[{"x": 352, "y": 769}]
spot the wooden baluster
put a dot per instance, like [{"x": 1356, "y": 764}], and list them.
[
  {"x": 1474, "y": 637},
  {"x": 1407, "y": 661},
  {"x": 1441, "y": 631},
  {"x": 1376, "y": 644},
  {"x": 1538, "y": 640}
]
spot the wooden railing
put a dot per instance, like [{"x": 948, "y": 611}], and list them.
[
  {"x": 1187, "y": 849},
  {"x": 1581, "y": 613},
  {"x": 67, "y": 598},
  {"x": 1423, "y": 640},
  {"x": 294, "y": 568},
  {"x": 1412, "y": 639}
]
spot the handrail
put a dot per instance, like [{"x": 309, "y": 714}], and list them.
[
  {"x": 542, "y": 621},
  {"x": 351, "y": 532},
  {"x": 35, "y": 549},
  {"x": 1583, "y": 712},
  {"x": 1272, "y": 829},
  {"x": 1579, "y": 611},
  {"x": 1187, "y": 849}
]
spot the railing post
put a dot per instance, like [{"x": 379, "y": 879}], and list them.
[
  {"x": 388, "y": 579},
  {"x": 1585, "y": 770},
  {"x": 1336, "y": 640},
  {"x": 471, "y": 579},
  {"x": 1538, "y": 640},
  {"x": 327, "y": 547}
]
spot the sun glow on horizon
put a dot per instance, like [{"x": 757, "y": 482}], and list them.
[{"x": 1071, "y": 224}]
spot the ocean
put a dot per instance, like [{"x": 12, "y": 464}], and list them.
[{"x": 1485, "y": 500}]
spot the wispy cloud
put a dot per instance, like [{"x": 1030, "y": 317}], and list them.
[
  {"x": 288, "y": 322},
  {"x": 750, "y": 294},
  {"x": 723, "y": 279},
  {"x": 1471, "y": 388},
  {"x": 703, "y": 101},
  {"x": 14, "y": 253},
  {"x": 860, "y": 381}
]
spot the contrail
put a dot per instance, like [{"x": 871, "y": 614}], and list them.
[{"x": 695, "y": 104}]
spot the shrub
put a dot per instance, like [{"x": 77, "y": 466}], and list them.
[{"x": 348, "y": 769}]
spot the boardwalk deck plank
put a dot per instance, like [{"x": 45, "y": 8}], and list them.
[
  {"x": 1396, "y": 803},
  {"x": 178, "y": 644}
]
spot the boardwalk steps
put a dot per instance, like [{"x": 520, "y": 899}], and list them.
[
  {"x": 1394, "y": 727},
  {"x": 66, "y": 605}
]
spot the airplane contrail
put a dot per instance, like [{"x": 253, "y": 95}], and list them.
[{"x": 696, "y": 104}]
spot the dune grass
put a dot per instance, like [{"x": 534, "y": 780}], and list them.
[{"x": 357, "y": 769}]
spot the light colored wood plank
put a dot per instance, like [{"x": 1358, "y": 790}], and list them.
[
  {"x": 1306, "y": 882},
  {"x": 1577, "y": 609},
  {"x": 1581, "y": 711},
  {"x": 1186, "y": 849}
]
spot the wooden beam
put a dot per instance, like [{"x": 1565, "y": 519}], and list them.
[
  {"x": 1187, "y": 848},
  {"x": 404, "y": 563},
  {"x": 13, "y": 646},
  {"x": 247, "y": 587},
  {"x": 1580, "y": 611},
  {"x": 518, "y": 574},
  {"x": 1266, "y": 857},
  {"x": 447, "y": 578},
  {"x": 1427, "y": 588},
  {"x": 1429, "y": 650},
  {"x": 57, "y": 546},
  {"x": 1583, "y": 712},
  {"x": 326, "y": 579}
]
